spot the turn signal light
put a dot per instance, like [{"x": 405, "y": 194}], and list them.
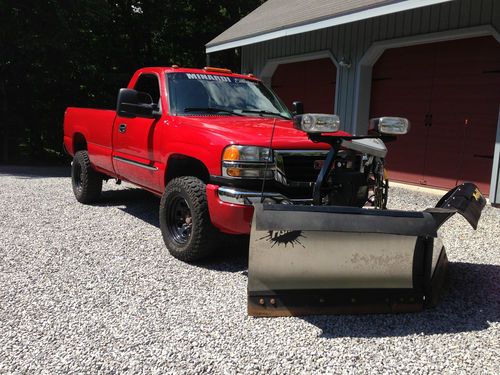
[{"x": 231, "y": 153}]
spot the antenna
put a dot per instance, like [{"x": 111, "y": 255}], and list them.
[{"x": 267, "y": 162}]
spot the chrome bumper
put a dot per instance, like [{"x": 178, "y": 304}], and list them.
[{"x": 240, "y": 196}]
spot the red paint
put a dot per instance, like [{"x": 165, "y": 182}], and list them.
[
  {"x": 153, "y": 142},
  {"x": 229, "y": 218},
  {"x": 458, "y": 82},
  {"x": 311, "y": 82}
]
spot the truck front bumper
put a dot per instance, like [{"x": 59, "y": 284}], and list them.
[{"x": 230, "y": 208}]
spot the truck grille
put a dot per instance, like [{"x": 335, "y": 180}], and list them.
[{"x": 299, "y": 165}]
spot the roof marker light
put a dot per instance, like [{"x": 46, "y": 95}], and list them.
[{"x": 217, "y": 70}]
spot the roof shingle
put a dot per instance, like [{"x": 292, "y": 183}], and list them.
[{"x": 276, "y": 15}]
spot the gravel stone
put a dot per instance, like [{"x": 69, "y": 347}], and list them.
[{"x": 92, "y": 289}]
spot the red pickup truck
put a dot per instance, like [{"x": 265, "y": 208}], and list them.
[{"x": 204, "y": 140}]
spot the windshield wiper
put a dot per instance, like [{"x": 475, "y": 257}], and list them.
[
  {"x": 211, "y": 109},
  {"x": 263, "y": 112}
]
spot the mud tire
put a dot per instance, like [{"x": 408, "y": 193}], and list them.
[
  {"x": 87, "y": 183},
  {"x": 184, "y": 202}
]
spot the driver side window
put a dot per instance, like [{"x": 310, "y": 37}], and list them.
[{"x": 149, "y": 83}]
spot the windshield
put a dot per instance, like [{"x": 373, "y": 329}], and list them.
[{"x": 195, "y": 94}]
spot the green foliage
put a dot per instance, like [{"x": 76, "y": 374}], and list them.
[{"x": 56, "y": 54}]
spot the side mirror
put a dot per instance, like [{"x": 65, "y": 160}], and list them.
[
  {"x": 297, "y": 108},
  {"x": 132, "y": 103}
]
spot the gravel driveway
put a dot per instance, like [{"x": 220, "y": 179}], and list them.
[{"x": 92, "y": 289}]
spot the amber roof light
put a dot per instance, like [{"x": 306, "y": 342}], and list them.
[{"x": 217, "y": 70}]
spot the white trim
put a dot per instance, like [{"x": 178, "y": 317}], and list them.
[
  {"x": 377, "y": 49},
  {"x": 362, "y": 94},
  {"x": 495, "y": 173},
  {"x": 363, "y": 90},
  {"x": 335, "y": 21},
  {"x": 271, "y": 65}
]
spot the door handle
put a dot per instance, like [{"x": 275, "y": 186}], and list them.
[{"x": 122, "y": 128}]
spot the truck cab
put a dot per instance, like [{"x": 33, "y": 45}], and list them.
[{"x": 205, "y": 140}]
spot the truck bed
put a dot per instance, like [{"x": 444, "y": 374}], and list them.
[{"x": 96, "y": 127}]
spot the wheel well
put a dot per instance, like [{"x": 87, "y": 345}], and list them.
[
  {"x": 181, "y": 165},
  {"x": 79, "y": 142}
]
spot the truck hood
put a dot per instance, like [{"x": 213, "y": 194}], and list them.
[{"x": 253, "y": 130}]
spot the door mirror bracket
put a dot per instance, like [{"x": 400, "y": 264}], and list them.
[{"x": 297, "y": 108}]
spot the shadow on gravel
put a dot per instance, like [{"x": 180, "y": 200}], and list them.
[
  {"x": 470, "y": 302},
  {"x": 134, "y": 201},
  {"x": 28, "y": 172},
  {"x": 231, "y": 256}
]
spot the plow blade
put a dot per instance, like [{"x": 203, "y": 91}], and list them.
[{"x": 333, "y": 260}]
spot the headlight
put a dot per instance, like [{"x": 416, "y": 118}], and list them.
[
  {"x": 247, "y": 162},
  {"x": 317, "y": 123},
  {"x": 246, "y": 153},
  {"x": 390, "y": 125}
]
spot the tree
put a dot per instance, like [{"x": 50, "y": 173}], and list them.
[{"x": 57, "y": 54}]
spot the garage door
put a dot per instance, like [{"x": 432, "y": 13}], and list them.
[
  {"x": 450, "y": 91},
  {"x": 311, "y": 82}
]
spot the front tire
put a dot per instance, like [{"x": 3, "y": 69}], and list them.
[
  {"x": 185, "y": 222},
  {"x": 87, "y": 183}
]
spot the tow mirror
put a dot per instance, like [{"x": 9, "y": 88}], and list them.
[
  {"x": 390, "y": 125},
  {"x": 297, "y": 108},
  {"x": 133, "y": 103}
]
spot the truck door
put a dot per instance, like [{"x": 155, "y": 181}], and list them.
[{"x": 136, "y": 139}]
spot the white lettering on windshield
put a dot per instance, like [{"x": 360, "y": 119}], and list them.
[{"x": 208, "y": 77}]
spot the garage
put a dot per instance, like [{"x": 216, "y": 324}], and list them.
[
  {"x": 311, "y": 82},
  {"x": 450, "y": 91},
  {"x": 435, "y": 61}
]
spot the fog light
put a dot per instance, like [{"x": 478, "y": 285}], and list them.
[{"x": 233, "y": 172}]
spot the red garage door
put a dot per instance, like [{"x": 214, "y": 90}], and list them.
[
  {"x": 311, "y": 82},
  {"x": 450, "y": 91}
]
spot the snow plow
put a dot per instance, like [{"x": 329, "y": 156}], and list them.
[{"x": 344, "y": 252}]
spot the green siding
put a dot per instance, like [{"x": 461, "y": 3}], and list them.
[{"x": 351, "y": 41}]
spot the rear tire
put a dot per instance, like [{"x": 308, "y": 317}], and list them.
[
  {"x": 185, "y": 222},
  {"x": 87, "y": 183}
]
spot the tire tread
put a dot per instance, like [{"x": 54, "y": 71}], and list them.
[
  {"x": 203, "y": 236},
  {"x": 91, "y": 181}
]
